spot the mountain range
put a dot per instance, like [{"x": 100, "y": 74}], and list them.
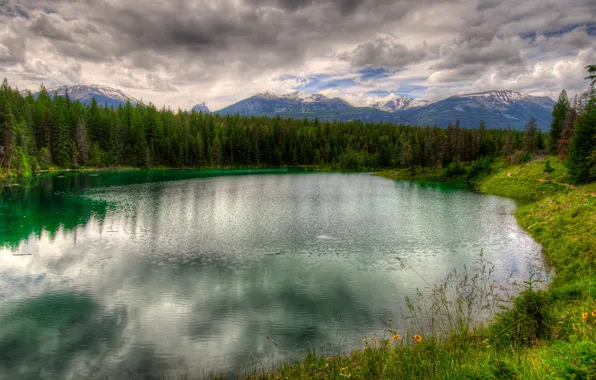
[
  {"x": 104, "y": 96},
  {"x": 499, "y": 109}
]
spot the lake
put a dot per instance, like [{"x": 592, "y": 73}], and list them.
[{"x": 148, "y": 273}]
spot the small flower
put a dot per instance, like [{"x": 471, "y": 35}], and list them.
[
  {"x": 389, "y": 342},
  {"x": 417, "y": 338},
  {"x": 594, "y": 313},
  {"x": 396, "y": 337},
  {"x": 585, "y": 316}
]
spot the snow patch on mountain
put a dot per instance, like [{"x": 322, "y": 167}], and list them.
[
  {"x": 201, "y": 107},
  {"x": 399, "y": 103},
  {"x": 505, "y": 99},
  {"x": 102, "y": 94}
]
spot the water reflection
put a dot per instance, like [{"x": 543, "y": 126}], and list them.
[{"x": 188, "y": 276}]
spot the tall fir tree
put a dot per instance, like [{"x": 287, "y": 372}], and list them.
[
  {"x": 61, "y": 147},
  {"x": 530, "y": 132},
  {"x": 582, "y": 146},
  {"x": 556, "y": 128}
]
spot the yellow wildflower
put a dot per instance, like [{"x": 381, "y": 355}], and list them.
[
  {"x": 594, "y": 313},
  {"x": 585, "y": 316},
  {"x": 396, "y": 337},
  {"x": 417, "y": 338}
]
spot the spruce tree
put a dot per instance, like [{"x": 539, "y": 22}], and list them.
[
  {"x": 582, "y": 146},
  {"x": 61, "y": 147},
  {"x": 559, "y": 113},
  {"x": 530, "y": 133}
]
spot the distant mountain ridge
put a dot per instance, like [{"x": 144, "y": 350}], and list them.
[
  {"x": 267, "y": 103},
  {"x": 103, "y": 95},
  {"x": 399, "y": 104},
  {"x": 499, "y": 109},
  {"x": 201, "y": 107}
]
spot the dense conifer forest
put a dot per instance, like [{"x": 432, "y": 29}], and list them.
[{"x": 39, "y": 132}]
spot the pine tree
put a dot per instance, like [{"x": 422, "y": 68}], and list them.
[
  {"x": 559, "y": 113},
  {"x": 82, "y": 143},
  {"x": 530, "y": 136},
  {"x": 568, "y": 126},
  {"x": 592, "y": 70},
  {"x": 583, "y": 145},
  {"x": 61, "y": 147},
  {"x": 7, "y": 128}
]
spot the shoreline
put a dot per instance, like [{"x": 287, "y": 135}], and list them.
[{"x": 559, "y": 217}]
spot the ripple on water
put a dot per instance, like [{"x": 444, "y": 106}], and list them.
[{"x": 195, "y": 274}]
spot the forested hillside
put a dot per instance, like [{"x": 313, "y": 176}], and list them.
[
  {"x": 38, "y": 132},
  {"x": 43, "y": 131}
]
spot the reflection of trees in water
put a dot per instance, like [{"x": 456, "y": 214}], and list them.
[
  {"x": 48, "y": 202},
  {"x": 42, "y": 205}
]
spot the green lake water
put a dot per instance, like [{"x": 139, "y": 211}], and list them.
[{"x": 139, "y": 274}]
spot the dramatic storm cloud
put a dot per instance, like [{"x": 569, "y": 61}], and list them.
[{"x": 179, "y": 53}]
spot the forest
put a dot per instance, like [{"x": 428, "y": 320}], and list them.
[{"x": 44, "y": 131}]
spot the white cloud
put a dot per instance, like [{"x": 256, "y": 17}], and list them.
[{"x": 221, "y": 52}]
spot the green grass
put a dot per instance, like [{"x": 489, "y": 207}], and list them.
[{"x": 541, "y": 335}]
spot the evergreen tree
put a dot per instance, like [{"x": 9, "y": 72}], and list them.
[
  {"x": 530, "y": 132},
  {"x": 559, "y": 113},
  {"x": 568, "y": 126},
  {"x": 7, "y": 129},
  {"x": 592, "y": 70},
  {"x": 82, "y": 143},
  {"x": 61, "y": 147},
  {"x": 582, "y": 146}
]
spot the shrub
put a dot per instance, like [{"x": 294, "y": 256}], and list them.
[
  {"x": 455, "y": 169},
  {"x": 480, "y": 166},
  {"x": 547, "y": 167},
  {"x": 44, "y": 158},
  {"x": 526, "y": 323}
]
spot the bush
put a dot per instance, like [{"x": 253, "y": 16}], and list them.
[
  {"x": 526, "y": 323},
  {"x": 21, "y": 162},
  {"x": 44, "y": 158},
  {"x": 455, "y": 169},
  {"x": 547, "y": 167},
  {"x": 480, "y": 166}
]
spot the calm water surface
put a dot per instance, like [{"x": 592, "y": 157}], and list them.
[{"x": 150, "y": 273}]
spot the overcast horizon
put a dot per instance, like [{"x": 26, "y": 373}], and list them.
[{"x": 219, "y": 52}]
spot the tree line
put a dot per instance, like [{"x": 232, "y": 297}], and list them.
[
  {"x": 573, "y": 131},
  {"x": 38, "y": 132}
]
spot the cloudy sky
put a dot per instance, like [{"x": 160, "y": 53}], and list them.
[{"x": 181, "y": 52}]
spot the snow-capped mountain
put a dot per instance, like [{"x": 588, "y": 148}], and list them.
[
  {"x": 499, "y": 109},
  {"x": 268, "y": 103},
  {"x": 400, "y": 103},
  {"x": 202, "y": 107},
  {"x": 505, "y": 99},
  {"x": 104, "y": 96}
]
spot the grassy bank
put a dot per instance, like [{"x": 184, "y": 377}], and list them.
[{"x": 541, "y": 334}]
